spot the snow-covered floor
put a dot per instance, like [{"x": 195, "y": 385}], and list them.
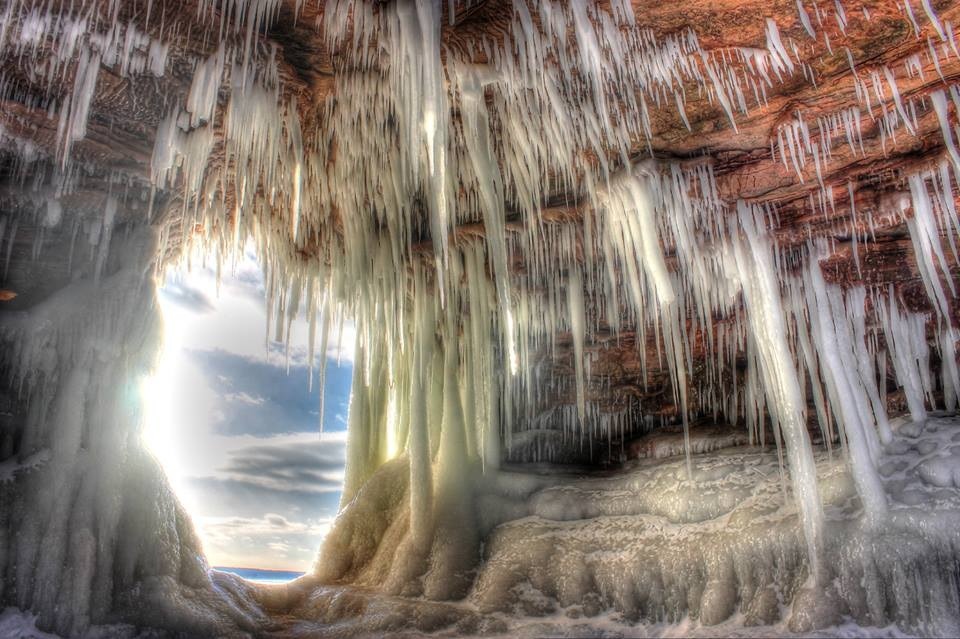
[
  {"x": 579, "y": 555},
  {"x": 613, "y": 628},
  {"x": 360, "y": 614},
  {"x": 22, "y": 625},
  {"x": 645, "y": 552}
]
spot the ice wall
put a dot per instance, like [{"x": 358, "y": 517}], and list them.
[{"x": 90, "y": 531}]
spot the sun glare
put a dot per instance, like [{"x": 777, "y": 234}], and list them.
[
  {"x": 230, "y": 417},
  {"x": 158, "y": 392}
]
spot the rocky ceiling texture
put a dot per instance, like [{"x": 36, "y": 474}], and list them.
[{"x": 829, "y": 141}]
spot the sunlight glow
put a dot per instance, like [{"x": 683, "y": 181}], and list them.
[
  {"x": 234, "y": 430},
  {"x": 159, "y": 396}
]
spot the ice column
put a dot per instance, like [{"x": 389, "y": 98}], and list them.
[
  {"x": 756, "y": 270},
  {"x": 834, "y": 346}
]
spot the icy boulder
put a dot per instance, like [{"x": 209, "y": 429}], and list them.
[{"x": 942, "y": 471}]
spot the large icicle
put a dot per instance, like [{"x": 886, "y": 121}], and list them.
[
  {"x": 755, "y": 269},
  {"x": 834, "y": 345}
]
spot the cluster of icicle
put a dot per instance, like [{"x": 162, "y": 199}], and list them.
[
  {"x": 79, "y": 40},
  {"x": 448, "y": 331}
]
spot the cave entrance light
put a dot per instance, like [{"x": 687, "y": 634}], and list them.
[{"x": 234, "y": 419}]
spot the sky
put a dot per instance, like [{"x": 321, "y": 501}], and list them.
[{"x": 237, "y": 430}]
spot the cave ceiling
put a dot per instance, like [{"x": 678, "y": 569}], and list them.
[{"x": 880, "y": 60}]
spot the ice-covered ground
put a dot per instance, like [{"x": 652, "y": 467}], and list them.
[
  {"x": 347, "y": 612},
  {"x": 22, "y": 625},
  {"x": 647, "y": 552}
]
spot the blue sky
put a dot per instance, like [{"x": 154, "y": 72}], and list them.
[{"x": 235, "y": 426}]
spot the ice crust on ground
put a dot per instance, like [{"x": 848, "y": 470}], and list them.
[
  {"x": 22, "y": 625},
  {"x": 644, "y": 551}
]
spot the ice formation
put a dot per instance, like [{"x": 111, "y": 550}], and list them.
[{"x": 422, "y": 201}]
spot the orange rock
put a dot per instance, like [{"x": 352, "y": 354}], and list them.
[{"x": 6, "y": 295}]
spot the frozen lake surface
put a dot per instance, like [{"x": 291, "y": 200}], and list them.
[{"x": 259, "y": 576}]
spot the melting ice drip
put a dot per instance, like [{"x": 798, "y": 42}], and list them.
[{"x": 420, "y": 185}]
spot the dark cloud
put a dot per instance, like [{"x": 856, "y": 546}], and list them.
[
  {"x": 261, "y": 398},
  {"x": 296, "y": 481},
  {"x": 292, "y": 466},
  {"x": 188, "y": 297},
  {"x": 250, "y": 280},
  {"x": 246, "y": 284},
  {"x": 277, "y": 521}
]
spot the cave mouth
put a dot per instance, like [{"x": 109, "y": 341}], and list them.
[{"x": 232, "y": 414}]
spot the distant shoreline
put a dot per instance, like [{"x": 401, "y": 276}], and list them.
[{"x": 261, "y": 575}]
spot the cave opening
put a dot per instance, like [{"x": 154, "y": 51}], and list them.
[{"x": 232, "y": 414}]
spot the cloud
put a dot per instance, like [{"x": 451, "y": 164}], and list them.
[
  {"x": 227, "y": 527},
  {"x": 277, "y": 521},
  {"x": 270, "y": 505},
  {"x": 313, "y": 465},
  {"x": 224, "y": 497},
  {"x": 257, "y": 542},
  {"x": 188, "y": 297},
  {"x": 232, "y": 314},
  {"x": 245, "y": 277},
  {"x": 261, "y": 487},
  {"x": 243, "y": 398},
  {"x": 262, "y": 398},
  {"x": 279, "y": 483}
]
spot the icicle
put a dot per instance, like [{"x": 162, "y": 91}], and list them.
[
  {"x": 835, "y": 349},
  {"x": 577, "y": 329},
  {"x": 912, "y": 17},
  {"x": 205, "y": 88},
  {"x": 421, "y": 486},
  {"x": 779, "y": 58},
  {"x": 75, "y": 112},
  {"x": 805, "y": 19},
  {"x": 926, "y": 242},
  {"x": 907, "y": 343},
  {"x": 10, "y": 240},
  {"x": 756, "y": 271},
  {"x": 106, "y": 231},
  {"x": 939, "y": 100},
  {"x": 892, "y": 82}
]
